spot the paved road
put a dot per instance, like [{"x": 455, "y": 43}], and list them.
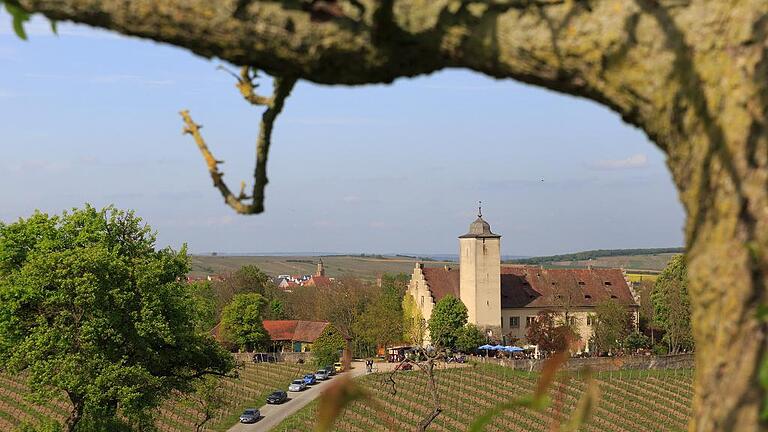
[{"x": 272, "y": 415}]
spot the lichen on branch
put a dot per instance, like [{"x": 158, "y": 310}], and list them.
[{"x": 242, "y": 203}]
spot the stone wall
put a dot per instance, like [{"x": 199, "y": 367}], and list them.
[
  {"x": 678, "y": 361},
  {"x": 282, "y": 357}
]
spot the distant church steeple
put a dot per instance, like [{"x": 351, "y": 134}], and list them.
[{"x": 320, "y": 269}]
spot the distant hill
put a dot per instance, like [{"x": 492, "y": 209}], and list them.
[
  {"x": 360, "y": 266},
  {"x": 654, "y": 259}
]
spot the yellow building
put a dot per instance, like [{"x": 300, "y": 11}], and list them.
[{"x": 503, "y": 300}]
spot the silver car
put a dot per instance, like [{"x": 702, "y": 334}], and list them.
[
  {"x": 297, "y": 385},
  {"x": 321, "y": 375},
  {"x": 251, "y": 415}
]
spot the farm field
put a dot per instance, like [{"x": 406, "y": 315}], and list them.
[
  {"x": 629, "y": 401},
  {"x": 655, "y": 262},
  {"x": 255, "y": 382},
  {"x": 335, "y": 266},
  {"x": 369, "y": 267}
]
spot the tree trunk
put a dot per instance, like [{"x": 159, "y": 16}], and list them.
[
  {"x": 76, "y": 413},
  {"x": 693, "y": 74}
]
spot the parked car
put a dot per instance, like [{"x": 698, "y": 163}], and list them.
[
  {"x": 297, "y": 385},
  {"x": 338, "y": 367},
  {"x": 321, "y": 375},
  {"x": 310, "y": 379},
  {"x": 331, "y": 370},
  {"x": 277, "y": 397},
  {"x": 251, "y": 415}
]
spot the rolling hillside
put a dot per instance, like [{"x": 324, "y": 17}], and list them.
[{"x": 364, "y": 267}]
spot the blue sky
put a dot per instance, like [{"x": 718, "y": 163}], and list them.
[{"x": 90, "y": 116}]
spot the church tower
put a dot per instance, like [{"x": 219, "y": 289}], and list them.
[
  {"x": 320, "y": 269},
  {"x": 480, "y": 275}
]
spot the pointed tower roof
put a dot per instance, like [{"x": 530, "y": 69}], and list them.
[{"x": 480, "y": 228}]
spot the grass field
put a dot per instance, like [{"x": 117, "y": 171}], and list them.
[
  {"x": 629, "y": 401},
  {"x": 256, "y": 381},
  {"x": 335, "y": 266}
]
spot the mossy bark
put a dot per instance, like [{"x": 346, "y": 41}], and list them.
[{"x": 693, "y": 74}]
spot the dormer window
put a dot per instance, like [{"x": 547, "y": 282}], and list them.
[
  {"x": 613, "y": 296},
  {"x": 608, "y": 283},
  {"x": 587, "y": 296},
  {"x": 581, "y": 283}
]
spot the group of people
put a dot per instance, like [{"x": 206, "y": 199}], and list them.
[{"x": 369, "y": 366}]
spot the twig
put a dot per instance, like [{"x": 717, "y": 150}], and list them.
[{"x": 274, "y": 104}]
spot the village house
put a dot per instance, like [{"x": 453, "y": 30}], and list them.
[
  {"x": 504, "y": 300},
  {"x": 319, "y": 279}
]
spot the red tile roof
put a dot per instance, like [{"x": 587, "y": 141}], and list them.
[
  {"x": 294, "y": 330},
  {"x": 531, "y": 286},
  {"x": 442, "y": 281},
  {"x": 318, "y": 281}
]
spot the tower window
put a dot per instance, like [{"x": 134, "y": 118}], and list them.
[{"x": 487, "y": 303}]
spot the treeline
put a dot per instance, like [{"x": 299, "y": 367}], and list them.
[{"x": 592, "y": 254}]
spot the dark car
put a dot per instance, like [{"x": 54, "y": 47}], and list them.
[
  {"x": 277, "y": 397},
  {"x": 251, "y": 415},
  {"x": 331, "y": 370}
]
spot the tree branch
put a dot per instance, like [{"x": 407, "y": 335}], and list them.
[{"x": 274, "y": 104}]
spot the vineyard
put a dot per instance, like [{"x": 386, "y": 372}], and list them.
[
  {"x": 178, "y": 415},
  {"x": 629, "y": 401}
]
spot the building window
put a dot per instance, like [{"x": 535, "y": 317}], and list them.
[
  {"x": 608, "y": 283},
  {"x": 613, "y": 296},
  {"x": 581, "y": 283},
  {"x": 572, "y": 321},
  {"x": 587, "y": 296},
  {"x": 591, "y": 320},
  {"x": 422, "y": 301},
  {"x": 514, "y": 322},
  {"x": 529, "y": 320}
]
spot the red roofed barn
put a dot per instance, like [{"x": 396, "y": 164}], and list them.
[{"x": 294, "y": 335}]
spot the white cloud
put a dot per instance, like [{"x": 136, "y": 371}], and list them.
[{"x": 635, "y": 161}]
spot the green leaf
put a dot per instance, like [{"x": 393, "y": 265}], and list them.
[
  {"x": 526, "y": 402},
  {"x": 55, "y": 27},
  {"x": 20, "y": 16}
]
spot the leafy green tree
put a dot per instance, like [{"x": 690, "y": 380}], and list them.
[
  {"x": 613, "y": 323},
  {"x": 247, "y": 279},
  {"x": 241, "y": 322},
  {"x": 448, "y": 317},
  {"x": 636, "y": 340},
  {"x": 204, "y": 305},
  {"x": 381, "y": 323},
  {"x": 672, "y": 305},
  {"x": 549, "y": 333},
  {"x": 470, "y": 337},
  {"x": 90, "y": 308},
  {"x": 414, "y": 325},
  {"x": 327, "y": 347},
  {"x": 276, "y": 310}
]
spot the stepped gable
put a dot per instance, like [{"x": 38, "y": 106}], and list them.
[
  {"x": 442, "y": 281},
  {"x": 531, "y": 286}
]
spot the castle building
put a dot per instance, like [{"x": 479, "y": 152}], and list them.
[{"x": 504, "y": 300}]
